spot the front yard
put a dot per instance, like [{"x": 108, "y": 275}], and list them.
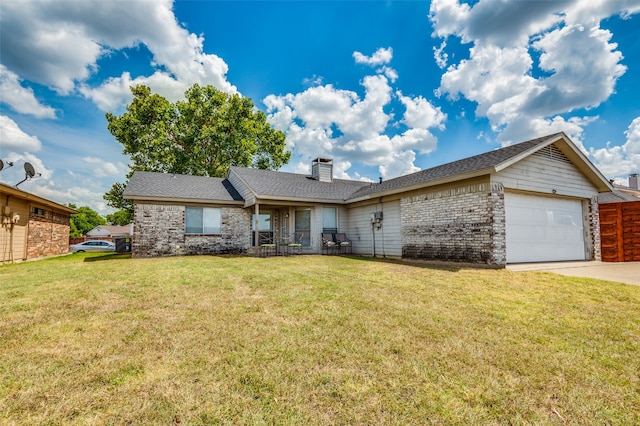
[{"x": 104, "y": 339}]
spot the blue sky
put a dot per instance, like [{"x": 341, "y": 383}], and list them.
[{"x": 383, "y": 88}]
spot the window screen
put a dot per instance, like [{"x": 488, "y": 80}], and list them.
[
  {"x": 329, "y": 220},
  {"x": 202, "y": 220}
]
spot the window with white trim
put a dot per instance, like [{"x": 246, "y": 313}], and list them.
[
  {"x": 329, "y": 220},
  {"x": 203, "y": 220}
]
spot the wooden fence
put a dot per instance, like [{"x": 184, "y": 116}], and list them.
[{"x": 620, "y": 231}]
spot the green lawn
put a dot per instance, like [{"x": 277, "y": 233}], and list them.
[{"x": 95, "y": 339}]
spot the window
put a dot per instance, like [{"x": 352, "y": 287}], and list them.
[
  {"x": 329, "y": 220},
  {"x": 38, "y": 211},
  {"x": 202, "y": 220},
  {"x": 303, "y": 225}
]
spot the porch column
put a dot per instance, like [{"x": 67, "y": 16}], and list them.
[{"x": 256, "y": 232}]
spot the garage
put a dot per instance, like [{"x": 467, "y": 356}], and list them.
[{"x": 543, "y": 229}]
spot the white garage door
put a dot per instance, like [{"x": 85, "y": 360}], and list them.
[{"x": 543, "y": 229}]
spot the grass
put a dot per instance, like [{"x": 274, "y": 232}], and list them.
[{"x": 95, "y": 339}]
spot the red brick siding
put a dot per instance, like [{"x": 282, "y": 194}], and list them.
[{"x": 48, "y": 234}]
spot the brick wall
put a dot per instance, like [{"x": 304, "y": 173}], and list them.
[
  {"x": 48, "y": 235},
  {"x": 463, "y": 224},
  {"x": 159, "y": 230}
]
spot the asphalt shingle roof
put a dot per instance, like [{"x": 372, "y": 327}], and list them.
[
  {"x": 292, "y": 185},
  {"x": 466, "y": 165},
  {"x": 168, "y": 185},
  {"x": 274, "y": 184}
]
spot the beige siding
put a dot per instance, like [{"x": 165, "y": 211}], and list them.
[
  {"x": 545, "y": 174},
  {"x": 343, "y": 219},
  {"x": 387, "y": 238},
  {"x": 12, "y": 243},
  {"x": 13, "y": 237}
]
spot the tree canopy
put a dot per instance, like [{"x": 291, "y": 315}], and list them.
[
  {"x": 84, "y": 221},
  {"x": 121, "y": 217},
  {"x": 202, "y": 135}
]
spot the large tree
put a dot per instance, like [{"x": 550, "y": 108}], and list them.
[
  {"x": 121, "y": 217},
  {"x": 84, "y": 221},
  {"x": 203, "y": 135}
]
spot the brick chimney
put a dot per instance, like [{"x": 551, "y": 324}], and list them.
[
  {"x": 322, "y": 169},
  {"x": 633, "y": 181}
]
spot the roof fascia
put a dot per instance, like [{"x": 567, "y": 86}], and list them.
[
  {"x": 270, "y": 199},
  {"x": 23, "y": 195},
  {"x": 425, "y": 184}
]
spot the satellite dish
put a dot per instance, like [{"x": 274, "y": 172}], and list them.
[
  {"x": 29, "y": 170},
  {"x": 8, "y": 163}
]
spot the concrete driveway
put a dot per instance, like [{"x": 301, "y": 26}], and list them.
[{"x": 624, "y": 272}]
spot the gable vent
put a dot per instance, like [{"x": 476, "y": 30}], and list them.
[{"x": 551, "y": 152}]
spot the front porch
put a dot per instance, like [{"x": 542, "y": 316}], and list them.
[{"x": 291, "y": 229}]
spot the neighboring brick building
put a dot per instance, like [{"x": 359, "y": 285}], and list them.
[
  {"x": 32, "y": 227},
  {"x": 530, "y": 202}
]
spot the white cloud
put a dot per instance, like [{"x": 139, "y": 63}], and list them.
[
  {"x": 106, "y": 168},
  {"x": 15, "y": 139},
  {"x": 420, "y": 113},
  {"x": 19, "y": 98},
  {"x": 116, "y": 92},
  {"x": 316, "y": 80},
  {"x": 78, "y": 195},
  {"x": 58, "y": 44},
  {"x": 380, "y": 57},
  {"x": 584, "y": 68},
  {"x": 340, "y": 169},
  {"x": 390, "y": 73},
  {"x": 579, "y": 64},
  {"x": 325, "y": 121},
  {"x": 620, "y": 161},
  {"x": 440, "y": 55}
]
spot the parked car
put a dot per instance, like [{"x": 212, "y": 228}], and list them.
[{"x": 93, "y": 245}]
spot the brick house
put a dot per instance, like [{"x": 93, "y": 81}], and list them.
[
  {"x": 32, "y": 227},
  {"x": 533, "y": 201}
]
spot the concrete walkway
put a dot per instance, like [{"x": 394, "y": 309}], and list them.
[{"x": 623, "y": 272}]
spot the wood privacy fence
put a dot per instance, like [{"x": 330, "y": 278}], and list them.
[{"x": 620, "y": 231}]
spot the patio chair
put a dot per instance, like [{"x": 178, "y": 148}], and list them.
[
  {"x": 328, "y": 243},
  {"x": 343, "y": 243},
  {"x": 295, "y": 244},
  {"x": 267, "y": 245}
]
